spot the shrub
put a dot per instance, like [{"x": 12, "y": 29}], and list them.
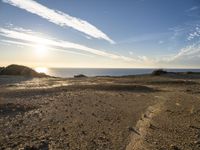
[
  {"x": 159, "y": 72},
  {"x": 80, "y": 76}
]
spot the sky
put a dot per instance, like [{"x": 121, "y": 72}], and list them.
[{"x": 100, "y": 34}]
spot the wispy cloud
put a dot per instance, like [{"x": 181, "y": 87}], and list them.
[
  {"x": 161, "y": 42},
  {"x": 145, "y": 37},
  {"x": 23, "y": 37},
  {"x": 186, "y": 53},
  {"x": 186, "y": 31},
  {"x": 21, "y": 43},
  {"x": 179, "y": 31},
  {"x": 29, "y": 36},
  {"x": 194, "y": 34},
  {"x": 59, "y": 18},
  {"x": 192, "y": 8}
]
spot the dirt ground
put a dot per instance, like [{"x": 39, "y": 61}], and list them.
[{"x": 105, "y": 113}]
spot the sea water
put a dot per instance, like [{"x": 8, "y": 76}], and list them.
[{"x": 70, "y": 72}]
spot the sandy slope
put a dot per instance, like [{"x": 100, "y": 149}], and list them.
[{"x": 143, "y": 112}]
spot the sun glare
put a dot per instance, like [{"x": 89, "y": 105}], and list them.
[
  {"x": 41, "y": 50},
  {"x": 41, "y": 70}
]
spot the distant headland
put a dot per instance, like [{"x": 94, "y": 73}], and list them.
[{"x": 19, "y": 70}]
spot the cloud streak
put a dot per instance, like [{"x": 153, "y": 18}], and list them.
[
  {"x": 49, "y": 48},
  {"x": 187, "y": 53},
  {"x": 20, "y": 36},
  {"x": 59, "y": 18},
  {"x": 192, "y": 9},
  {"x": 31, "y": 37}
]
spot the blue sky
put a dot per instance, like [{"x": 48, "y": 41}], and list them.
[{"x": 129, "y": 34}]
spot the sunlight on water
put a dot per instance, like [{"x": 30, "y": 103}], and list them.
[{"x": 41, "y": 70}]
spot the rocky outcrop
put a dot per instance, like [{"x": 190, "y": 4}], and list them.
[
  {"x": 80, "y": 76},
  {"x": 159, "y": 72},
  {"x": 1, "y": 68},
  {"x": 19, "y": 70}
]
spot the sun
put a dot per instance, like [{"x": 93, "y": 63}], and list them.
[
  {"x": 41, "y": 50},
  {"x": 41, "y": 70}
]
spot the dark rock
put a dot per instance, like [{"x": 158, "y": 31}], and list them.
[
  {"x": 83, "y": 132},
  {"x": 43, "y": 146},
  {"x": 133, "y": 130},
  {"x": 80, "y": 76},
  {"x": 63, "y": 129},
  {"x": 173, "y": 147},
  {"x": 194, "y": 127},
  {"x": 151, "y": 126},
  {"x": 20, "y": 71},
  {"x": 159, "y": 72},
  {"x": 1, "y": 68},
  {"x": 191, "y": 73}
]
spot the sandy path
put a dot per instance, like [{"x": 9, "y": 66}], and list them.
[
  {"x": 172, "y": 123},
  {"x": 137, "y": 141}
]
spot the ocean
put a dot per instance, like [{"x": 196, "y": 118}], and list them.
[{"x": 70, "y": 72}]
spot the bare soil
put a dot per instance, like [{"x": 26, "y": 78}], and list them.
[{"x": 104, "y": 113}]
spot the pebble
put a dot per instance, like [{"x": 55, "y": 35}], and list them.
[{"x": 174, "y": 147}]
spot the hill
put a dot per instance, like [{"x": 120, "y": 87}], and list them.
[{"x": 19, "y": 70}]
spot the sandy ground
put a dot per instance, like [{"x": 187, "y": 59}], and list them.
[{"x": 133, "y": 113}]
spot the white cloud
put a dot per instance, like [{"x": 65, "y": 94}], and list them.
[
  {"x": 160, "y": 42},
  {"x": 143, "y": 38},
  {"x": 192, "y": 8},
  {"x": 143, "y": 58},
  {"x": 31, "y": 37},
  {"x": 186, "y": 53},
  {"x": 88, "y": 37},
  {"x": 190, "y": 51},
  {"x": 59, "y": 18},
  {"x": 49, "y": 48},
  {"x": 194, "y": 34},
  {"x": 130, "y": 53},
  {"x": 20, "y": 36}
]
